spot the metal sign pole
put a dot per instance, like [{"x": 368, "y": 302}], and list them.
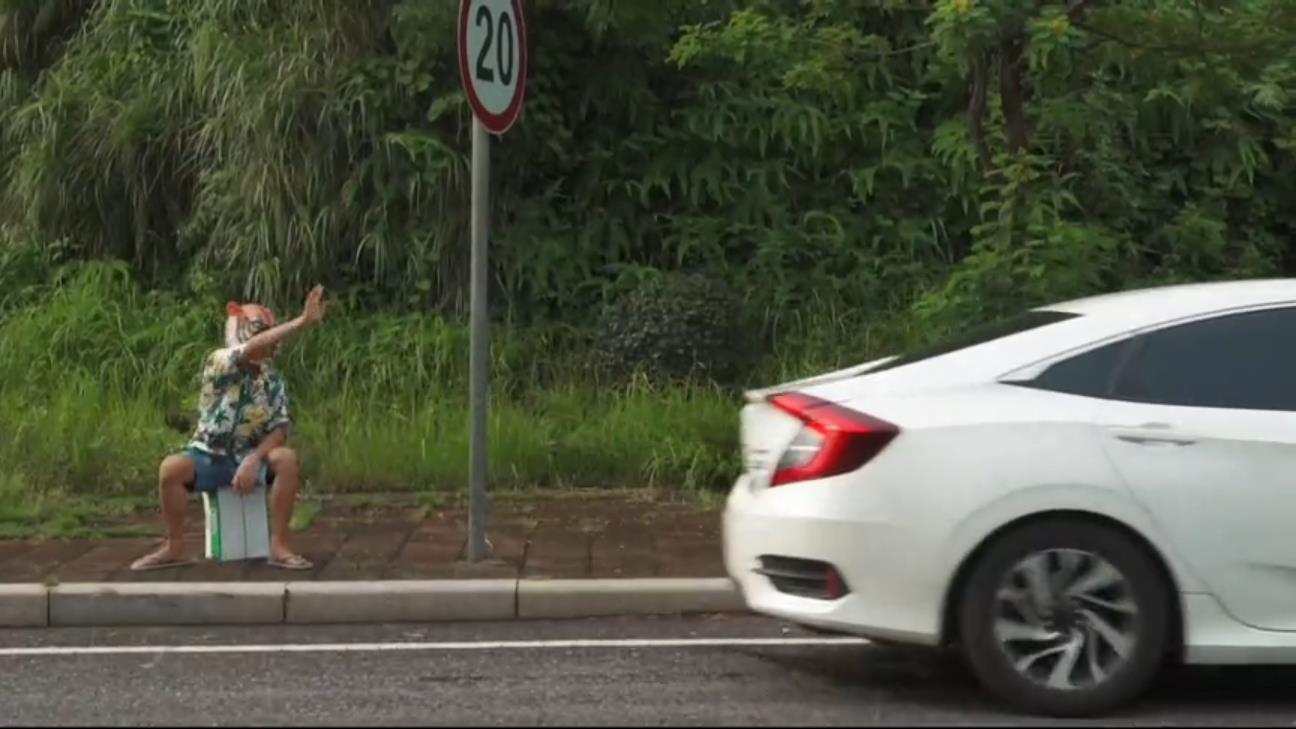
[
  {"x": 493, "y": 69},
  {"x": 479, "y": 361}
]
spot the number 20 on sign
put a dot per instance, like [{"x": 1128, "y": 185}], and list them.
[{"x": 493, "y": 60}]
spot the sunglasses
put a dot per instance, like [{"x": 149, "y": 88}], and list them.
[{"x": 249, "y": 328}]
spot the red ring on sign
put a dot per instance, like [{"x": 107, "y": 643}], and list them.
[{"x": 502, "y": 122}]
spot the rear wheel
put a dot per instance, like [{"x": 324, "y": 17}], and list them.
[{"x": 1065, "y": 618}]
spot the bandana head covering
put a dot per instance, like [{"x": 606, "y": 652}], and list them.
[{"x": 244, "y": 321}]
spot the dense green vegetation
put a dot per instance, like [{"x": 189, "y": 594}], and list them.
[{"x": 814, "y": 181}]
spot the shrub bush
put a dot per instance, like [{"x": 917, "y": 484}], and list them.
[{"x": 677, "y": 327}]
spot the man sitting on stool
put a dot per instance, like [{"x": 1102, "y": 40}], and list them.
[{"x": 242, "y": 433}]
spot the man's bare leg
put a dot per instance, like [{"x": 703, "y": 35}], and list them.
[
  {"x": 283, "y": 496},
  {"x": 175, "y": 472}
]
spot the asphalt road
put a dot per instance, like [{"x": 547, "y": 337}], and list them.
[{"x": 657, "y": 672}]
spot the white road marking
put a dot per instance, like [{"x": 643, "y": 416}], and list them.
[{"x": 109, "y": 650}]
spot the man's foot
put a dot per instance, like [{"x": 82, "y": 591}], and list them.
[
  {"x": 162, "y": 559},
  {"x": 289, "y": 561}
]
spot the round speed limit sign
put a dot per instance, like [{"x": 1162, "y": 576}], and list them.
[{"x": 493, "y": 60}]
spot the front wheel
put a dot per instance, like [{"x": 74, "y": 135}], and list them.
[{"x": 1065, "y": 618}]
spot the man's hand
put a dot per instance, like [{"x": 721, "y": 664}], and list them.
[
  {"x": 245, "y": 479},
  {"x": 263, "y": 345},
  {"x": 313, "y": 312}
]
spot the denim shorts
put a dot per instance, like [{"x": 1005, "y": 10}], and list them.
[{"x": 212, "y": 472}]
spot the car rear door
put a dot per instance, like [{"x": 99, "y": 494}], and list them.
[{"x": 1201, "y": 423}]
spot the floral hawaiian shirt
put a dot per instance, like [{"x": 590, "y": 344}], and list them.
[{"x": 238, "y": 407}]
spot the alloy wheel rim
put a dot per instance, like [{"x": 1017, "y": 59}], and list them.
[{"x": 1066, "y": 618}]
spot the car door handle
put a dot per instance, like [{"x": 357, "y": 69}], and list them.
[
  {"x": 1155, "y": 440},
  {"x": 1152, "y": 434}
]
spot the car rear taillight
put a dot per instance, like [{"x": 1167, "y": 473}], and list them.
[{"x": 833, "y": 441}]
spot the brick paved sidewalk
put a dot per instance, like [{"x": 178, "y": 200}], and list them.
[{"x": 585, "y": 536}]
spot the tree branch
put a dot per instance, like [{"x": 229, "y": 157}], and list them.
[
  {"x": 1076, "y": 8},
  {"x": 902, "y": 51},
  {"x": 977, "y": 110},
  {"x": 1012, "y": 50},
  {"x": 1181, "y": 50}
]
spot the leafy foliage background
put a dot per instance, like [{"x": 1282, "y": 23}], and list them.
[{"x": 937, "y": 160}]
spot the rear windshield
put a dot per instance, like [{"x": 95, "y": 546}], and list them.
[{"x": 979, "y": 335}]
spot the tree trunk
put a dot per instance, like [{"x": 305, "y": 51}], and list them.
[
  {"x": 978, "y": 83},
  {"x": 1012, "y": 51}
]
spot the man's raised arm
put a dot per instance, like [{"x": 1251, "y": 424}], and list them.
[{"x": 262, "y": 345}]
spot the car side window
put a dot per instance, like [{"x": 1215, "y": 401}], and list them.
[
  {"x": 1239, "y": 361},
  {"x": 1091, "y": 374}
]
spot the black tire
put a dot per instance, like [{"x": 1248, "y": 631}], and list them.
[{"x": 1148, "y": 589}]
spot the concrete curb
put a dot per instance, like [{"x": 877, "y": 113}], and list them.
[
  {"x": 24, "y": 606},
  {"x": 399, "y": 601},
  {"x": 387, "y": 601},
  {"x": 539, "y": 599},
  {"x": 166, "y": 603}
]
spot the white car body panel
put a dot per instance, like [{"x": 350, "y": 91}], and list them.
[
  {"x": 1228, "y": 498},
  {"x": 975, "y": 455}
]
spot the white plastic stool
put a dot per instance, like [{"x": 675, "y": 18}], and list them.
[{"x": 238, "y": 525}]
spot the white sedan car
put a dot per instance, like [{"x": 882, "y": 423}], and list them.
[{"x": 1072, "y": 497}]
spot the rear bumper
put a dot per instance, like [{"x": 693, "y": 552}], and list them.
[{"x": 891, "y": 570}]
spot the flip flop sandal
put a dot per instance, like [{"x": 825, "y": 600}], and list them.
[
  {"x": 291, "y": 562},
  {"x": 152, "y": 562}
]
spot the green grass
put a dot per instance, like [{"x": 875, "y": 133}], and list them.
[
  {"x": 95, "y": 373},
  {"x": 567, "y": 437},
  {"x": 88, "y": 439},
  {"x": 29, "y": 513},
  {"x": 304, "y": 514}
]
